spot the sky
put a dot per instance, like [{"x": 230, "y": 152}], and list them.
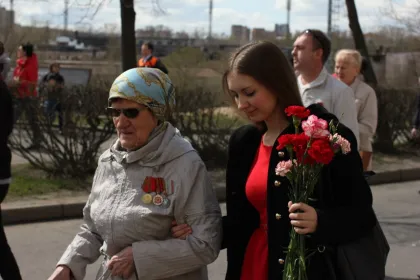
[{"x": 192, "y": 15}]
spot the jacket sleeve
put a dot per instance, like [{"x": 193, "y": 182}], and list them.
[
  {"x": 345, "y": 110},
  {"x": 352, "y": 214},
  {"x": 196, "y": 205},
  {"x": 416, "y": 117},
  {"x": 368, "y": 117},
  {"x": 84, "y": 249},
  {"x": 161, "y": 66},
  {"x": 6, "y": 112},
  {"x": 5, "y": 68}
]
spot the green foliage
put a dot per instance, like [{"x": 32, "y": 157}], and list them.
[{"x": 395, "y": 111}]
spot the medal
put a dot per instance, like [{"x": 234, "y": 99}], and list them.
[
  {"x": 158, "y": 200},
  {"x": 166, "y": 202},
  {"x": 147, "y": 198}
]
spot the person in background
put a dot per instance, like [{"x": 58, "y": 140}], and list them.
[
  {"x": 149, "y": 60},
  {"x": 310, "y": 52},
  {"x": 416, "y": 117},
  {"x": 348, "y": 64},
  {"x": 4, "y": 63},
  {"x": 53, "y": 84},
  {"x": 24, "y": 87},
  {"x": 9, "y": 269}
]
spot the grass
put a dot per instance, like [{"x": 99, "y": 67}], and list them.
[{"x": 28, "y": 181}]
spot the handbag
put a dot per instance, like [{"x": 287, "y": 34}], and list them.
[
  {"x": 364, "y": 258},
  {"x": 361, "y": 259}
]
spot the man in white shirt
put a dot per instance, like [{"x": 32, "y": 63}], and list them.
[{"x": 310, "y": 53}]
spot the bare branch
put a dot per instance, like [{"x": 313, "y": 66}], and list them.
[
  {"x": 406, "y": 16},
  {"x": 157, "y": 8}
]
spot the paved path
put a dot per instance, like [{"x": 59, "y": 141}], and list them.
[{"x": 38, "y": 246}]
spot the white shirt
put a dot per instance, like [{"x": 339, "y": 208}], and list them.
[{"x": 335, "y": 96}]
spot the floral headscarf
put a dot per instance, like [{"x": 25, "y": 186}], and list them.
[{"x": 147, "y": 86}]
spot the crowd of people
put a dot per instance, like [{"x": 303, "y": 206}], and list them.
[{"x": 152, "y": 212}]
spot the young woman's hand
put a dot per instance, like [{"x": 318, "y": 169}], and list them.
[
  {"x": 180, "y": 231},
  {"x": 304, "y": 218}
]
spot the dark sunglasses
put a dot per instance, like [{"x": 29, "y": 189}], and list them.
[{"x": 130, "y": 113}]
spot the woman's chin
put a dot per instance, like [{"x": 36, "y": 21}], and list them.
[
  {"x": 127, "y": 144},
  {"x": 255, "y": 118}
]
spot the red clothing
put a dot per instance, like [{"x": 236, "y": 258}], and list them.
[
  {"x": 26, "y": 73},
  {"x": 255, "y": 266}
]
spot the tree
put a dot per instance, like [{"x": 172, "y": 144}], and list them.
[
  {"x": 359, "y": 41},
  {"x": 128, "y": 34},
  {"x": 406, "y": 16},
  {"x": 128, "y": 21}
]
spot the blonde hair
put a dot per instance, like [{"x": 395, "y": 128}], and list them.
[{"x": 350, "y": 56}]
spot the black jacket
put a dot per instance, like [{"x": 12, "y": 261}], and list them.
[
  {"x": 416, "y": 116},
  {"x": 6, "y": 117},
  {"x": 57, "y": 77},
  {"x": 343, "y": 203}
]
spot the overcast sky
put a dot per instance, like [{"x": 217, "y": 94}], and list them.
[{"x": 189, "y": 15}]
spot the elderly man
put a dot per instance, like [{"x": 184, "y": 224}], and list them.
[{"x": 310, "y": 52}]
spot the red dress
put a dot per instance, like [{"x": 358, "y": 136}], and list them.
[{"x": 255, "y": 266}]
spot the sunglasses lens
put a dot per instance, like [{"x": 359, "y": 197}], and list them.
[
  {"x": 113, "y": 112},
  {"x": 131, "y": 113}
]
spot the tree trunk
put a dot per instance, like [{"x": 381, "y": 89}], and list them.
[
  {"x": 359, "y": 41},
  {"x": 128, "y": 36}
]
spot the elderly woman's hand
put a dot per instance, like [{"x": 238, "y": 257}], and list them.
[
  {"x": 62, "y": 272},
  {"x": 122, "y": 264},
  {"x": 304, "y": 218},
  {"x": 180, "y": 231}
]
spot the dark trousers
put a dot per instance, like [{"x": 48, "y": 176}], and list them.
[
  {"x": 30, "y": 107},
  {"x": 9, "y": 269},
  {"x": 51, "y": 107}
]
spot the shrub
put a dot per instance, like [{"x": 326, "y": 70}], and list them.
[
  {"x": 395, "y": 111},
  {"x": 73, "y": 152},
  {"x": 200, "y": 120}
]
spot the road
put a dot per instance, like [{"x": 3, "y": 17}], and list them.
[{"x": 38, "y": 246}]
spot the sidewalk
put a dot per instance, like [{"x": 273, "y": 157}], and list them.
[{"x": 389, "y": 169}]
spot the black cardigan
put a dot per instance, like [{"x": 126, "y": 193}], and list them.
[
  {"x": 6, "y": 117},
  {"x": 416, "y": 116},
  {"x": 342, "y": 198}
]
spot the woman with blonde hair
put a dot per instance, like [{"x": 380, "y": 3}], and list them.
[{"x": 348, "y": 64}]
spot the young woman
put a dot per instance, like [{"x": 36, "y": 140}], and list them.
[{"x": 260, "y": 214}]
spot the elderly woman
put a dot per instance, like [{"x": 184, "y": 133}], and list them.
[
  {"x": 149, "y": 177},
  {"x": 347, "y": 68}
]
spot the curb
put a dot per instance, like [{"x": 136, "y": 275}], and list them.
[
  {"x": 396, "y": 176},
  {"x": 63, "y": 211}
]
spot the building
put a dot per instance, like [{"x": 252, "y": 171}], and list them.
[
  {"x": 7, "y": 19},
  {"x": 262, "y": 34},
  {"x": 240, "y": 34},
  {"x": 281, "y": 30}
]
